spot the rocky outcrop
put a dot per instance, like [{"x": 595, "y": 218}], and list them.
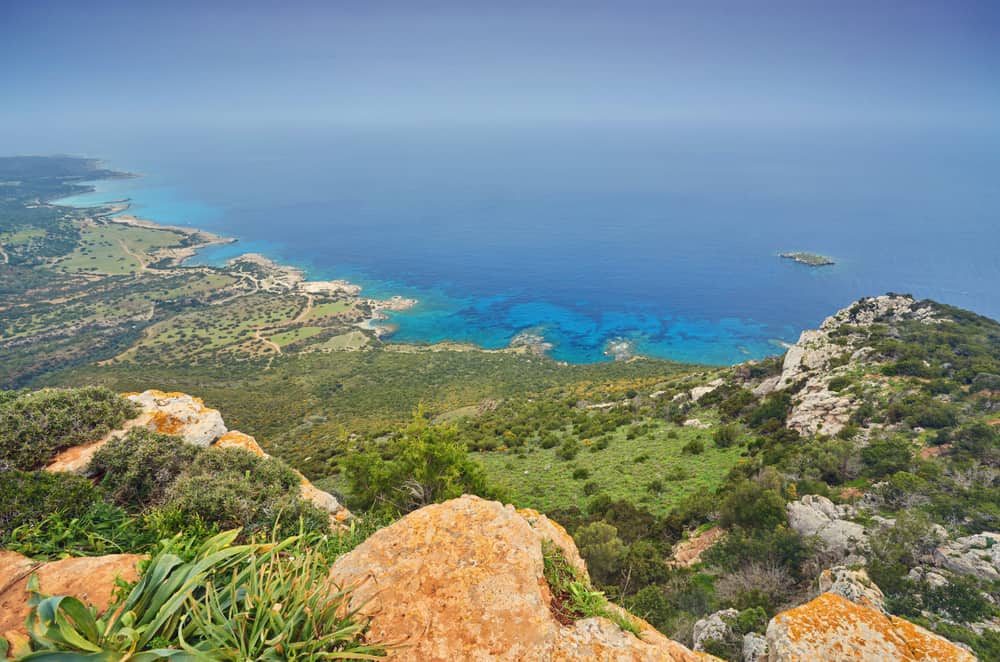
[
  {"x": 91, "y": 579},
  {"x": 818, "y": 357},
  {"x": 716, "y": 626},
  {"x": 814, "y": 515},
  {"x": 187, "y": 417},
  {"x": 855, "y": 585},
  {"x": 754, "y": 647},
  {"x": 833, "y": 629},
  {"x": 176, "y": 414},
  {"x": 688, "y": 552},
  {"x": 977, "y": 555},
  {"x": 463, "y": 580}
]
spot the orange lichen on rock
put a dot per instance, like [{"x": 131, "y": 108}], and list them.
[
  {"x": 833, "y": 629},
  {"x": 464, "y": 580},
  {"x": 237, "y": 439},
  {"x": 91, "y": 579}
]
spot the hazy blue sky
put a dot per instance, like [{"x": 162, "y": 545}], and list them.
[{"x": 114, "y": 64}]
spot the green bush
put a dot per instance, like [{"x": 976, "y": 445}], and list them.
[
  {"x": 36, "y": 426},
  {"x": 136, "y": 470},
  {"x": 231, "y": 488},
  {"x": 568, "y": 450},
  {"x": 28, "y": 497},
  {"x": 425, "y": 464},
  {"x": 726, "y": 435},
  {"x": 694, "y": 447},
  {"x": 752, "y": 506},
  {"x": 581, "y": 474},
  {"x": 602, "y": 549}
]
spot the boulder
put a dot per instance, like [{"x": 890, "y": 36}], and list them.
[
  {"x": 977, "y": 555},
  {"x": 754, "y": 647},
  {"x": 833, "y": 629},
  {"x": 698, "y": 392},
  {"x": 855, "y": 585},
  {"x": 463, "y": 580},
  {"x": 933, "y": 579},
  {"x": 91, "y": 579},
  {"x": 714, "y": 626},
  {"x": 814, "y": 515}
]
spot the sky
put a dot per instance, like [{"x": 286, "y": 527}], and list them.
[{"x": 102, "y": 65}]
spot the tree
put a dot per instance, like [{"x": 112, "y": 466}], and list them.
[
  {"x": 425, "y": 464},
  {"x": 602, "y": 549}
]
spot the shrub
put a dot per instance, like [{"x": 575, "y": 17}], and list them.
[
  {"x": 774, "y": 408},
  {"x": 591, "y": 488},
  {"x": 726, "y": 435},
  {"x": 838, "y": 384},
  {"x": 36, "y": 426},
  {"x": 886, "y": 456},
  {"x": 28, "y": 497},
  {"x": 580, "y": 473},
  {"x": 752, "y": 506},
  {"x": 602, "y": 549},
  {"x": 694, "y": 447},
  {"x": 136, "y": 470},
  {"x": 231, "y": 488},
  {"x": 568, "y": 449},
  {"x": 756, "y": 585},
  {"x": 960, "y": 600},
  {"x": 427, "y": 464}
]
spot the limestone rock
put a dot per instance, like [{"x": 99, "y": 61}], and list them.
[
  {"x": 855, "y": 585},
  {"x": 714, "y": 626},
  {"x": 814, "y": 515},
  {"x": 698, "y": 392},
  {"x": 814, "y": 360},
  {"x": 169, "y": 413},
  {"x": 182, "y": 415},
  {"x": 833, "y": 629},
  {"x": 933, "y": 579},
  {"x": 754, "y": 647},
  {"x": 463, "y": 580},
  {"x": 91, "y": 579},
  {"x": 977, "y": 555}
]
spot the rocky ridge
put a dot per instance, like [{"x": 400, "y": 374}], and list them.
[
  {"x": 821, "y": 355},
  {"x": 187, "y": 417}
]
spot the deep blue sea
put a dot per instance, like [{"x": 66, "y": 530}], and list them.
[{"x": 666, "y": 237}]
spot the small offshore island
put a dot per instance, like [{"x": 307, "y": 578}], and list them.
[{"x": 809, "y": 259}]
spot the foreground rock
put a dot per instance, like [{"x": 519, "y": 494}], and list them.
[
  {"x": 463, "y": 580},
  {"x": 832, "y": 628},
  {"x": 90, "y": 579},
  {"x": 187, "y": 417}
]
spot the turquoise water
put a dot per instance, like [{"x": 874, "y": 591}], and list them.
[{"x": 667, "y": 241}]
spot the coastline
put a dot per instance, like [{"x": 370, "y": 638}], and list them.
[
  {"x": 440, "y": 320},
  {"x": 279, "y": 278}
]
